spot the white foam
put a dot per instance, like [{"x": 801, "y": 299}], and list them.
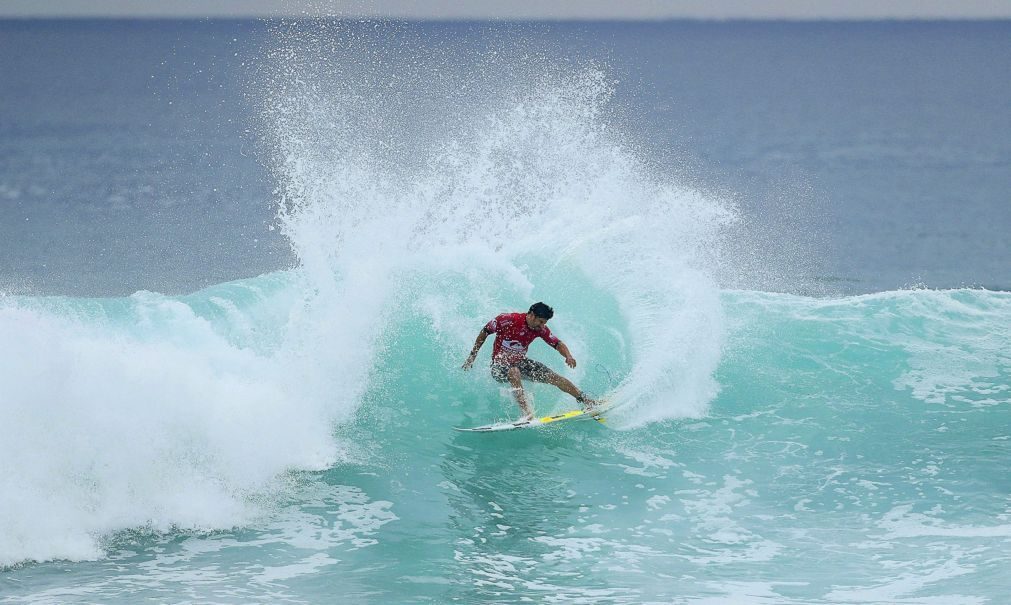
[
  {"x": 715, "y": 515},
  {"x": 901, "y": 522},
  {"x": 150, "y": 419}
]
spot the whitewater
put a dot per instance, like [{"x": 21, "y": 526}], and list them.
[{"x": 286, "y": 438}]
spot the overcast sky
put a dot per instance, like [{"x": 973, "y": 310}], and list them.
[{"x": 519, "y": 9}]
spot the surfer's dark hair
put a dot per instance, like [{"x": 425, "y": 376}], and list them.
[{"x": 541, "y": 310}]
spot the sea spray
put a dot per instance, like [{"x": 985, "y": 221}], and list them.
[{"x": 530, "y": 197}]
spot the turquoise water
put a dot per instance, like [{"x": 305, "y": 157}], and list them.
[
  {"x": 281, "y": 431},
  {"x": 856, "y": 452}
]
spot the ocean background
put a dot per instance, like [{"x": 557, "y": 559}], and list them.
[{"x": 241, "y": 263}]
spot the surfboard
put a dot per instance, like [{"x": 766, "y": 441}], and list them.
[{"x": 535, "y": 422}]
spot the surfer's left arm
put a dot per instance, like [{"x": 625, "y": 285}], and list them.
[{"x": 564, "y": 350}]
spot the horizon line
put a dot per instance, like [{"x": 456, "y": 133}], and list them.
[{"x": 573, "y": 19}]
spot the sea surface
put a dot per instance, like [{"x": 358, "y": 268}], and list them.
[{"x": 242, "y": 262}]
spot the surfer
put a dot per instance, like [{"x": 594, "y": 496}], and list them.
[{"x": 509, "y": 362}]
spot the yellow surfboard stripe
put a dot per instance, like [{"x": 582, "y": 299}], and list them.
[
  {"x": 507, "y": 426},
  {"x": 567, "y": 415}
]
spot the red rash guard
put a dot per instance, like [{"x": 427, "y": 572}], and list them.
[{"x": 512, "y": 337}]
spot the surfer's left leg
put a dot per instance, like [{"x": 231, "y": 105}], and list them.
[{"x": 534, "y": 370}]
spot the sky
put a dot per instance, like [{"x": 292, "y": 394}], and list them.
[{"x": 518, "y": 9}]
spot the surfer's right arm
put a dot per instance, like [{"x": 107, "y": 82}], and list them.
[{"x": 478, "y": 343}]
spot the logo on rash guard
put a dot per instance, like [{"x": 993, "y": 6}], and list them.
[{"x": 513, "y": 345}]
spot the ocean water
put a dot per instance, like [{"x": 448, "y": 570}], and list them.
[{"x": 243, "y": 262}]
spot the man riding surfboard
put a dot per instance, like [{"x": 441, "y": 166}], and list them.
[{"x": 509, "y": 362}]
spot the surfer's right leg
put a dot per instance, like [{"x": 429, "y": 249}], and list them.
[
  {"x": 516, "y": 380},
  {"x": 512, "y": 375}
]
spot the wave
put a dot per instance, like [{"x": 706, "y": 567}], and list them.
[
  {"x": 146, "y": 411},
  {"x": 939, "y": 346},
  {"x": 165, "y": 412}
]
